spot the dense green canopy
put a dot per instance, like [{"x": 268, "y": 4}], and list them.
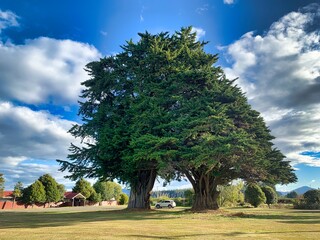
[
  {"x": 51, "y": 188},
  {"x": 161, "y": 107}
]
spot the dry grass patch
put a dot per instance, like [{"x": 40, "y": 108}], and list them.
[{"x": 115, "y": 223}]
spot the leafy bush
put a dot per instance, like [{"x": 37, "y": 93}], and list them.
[
  {"x": 271, "y": 195},
  {"x": 254, "y": 195},
  {"x": 285, "y": 200},
  {"x": 123, "y": 199},
  {"x": 311, "y": 200},
  {"x": 231, "y": 195}
]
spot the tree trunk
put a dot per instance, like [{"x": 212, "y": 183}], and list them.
[
  {"x": 141, "y": 190},
  {"x": 206, "y": 193},
  {"x": 205, "y": 199}
]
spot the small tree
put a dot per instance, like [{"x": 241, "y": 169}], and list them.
[
  {"x": 108, "y": 190},
  {"x": 62, "y": 190},
  {"x": 35, "y": 193},
  {"x": 95, "y": 197},
  {"x": 84, "y": 187},
  {"x": 17, "y": 191},
  {"x": 123, "y": 199},
  {"x": 189, "y": 196},
  {"x": 1, "y": 184},
  {"x": 231, "y": 195},
  {"x": 292, "y": 194},
  {"x": 271, "y": 195},
  {"x": 254, "y": 195},
  {"x": 51, "y": 188}
]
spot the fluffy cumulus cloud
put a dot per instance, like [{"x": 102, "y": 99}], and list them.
[
  {"x": 199, "y": 31},
  {"x": 30, "y": 142},
  {"x": 40, "y": 71},
  {"x": 280, "y": 73},
  {"x": 44, "y": 70},
  {"x": 8, "y": 19}
]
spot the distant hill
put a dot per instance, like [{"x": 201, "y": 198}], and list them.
[{"x": 300, "y": 190}]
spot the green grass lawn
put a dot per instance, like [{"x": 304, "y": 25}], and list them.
[{"x": 116, "y": 223}]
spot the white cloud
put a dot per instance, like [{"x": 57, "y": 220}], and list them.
[
  {"x": 204, "y": 8},
  {"x": 28, "y": 135},
  {"x": 199, "y": 31},
  {"x": 228, "y": 2},
  {"x": 8, "y": 19},
  {"x": 280, "y": 73},
  {"x": 44, "y": 70}
]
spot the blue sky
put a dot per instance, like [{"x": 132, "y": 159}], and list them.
[{"x": 271, "y": 46}]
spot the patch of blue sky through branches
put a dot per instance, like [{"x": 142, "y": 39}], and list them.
[{"x": 271, "y": 46}]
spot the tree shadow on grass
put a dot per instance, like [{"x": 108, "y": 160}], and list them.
[
  {"x": 300, "y": 219},
  {"x": 237, "y": 234},
  {"x": 41, "y": 219},
  {"x": 193, "y": 236}
]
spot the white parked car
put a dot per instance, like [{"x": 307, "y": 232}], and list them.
[{"x": 166, "y": 203}]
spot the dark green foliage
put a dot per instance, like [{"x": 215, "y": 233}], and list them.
[
  {"x": 51, "y": 188},
  {"x": 312, "y": 196},
  {"x": 84, "y": 187},
  {"x": 1, "y": 185},
  {"x": 271, "y": 195},
  {"x": 35, "y": 193},
  {"x": 123, "y": 199},
  {"x": 292, "y": 194},
  {"x": 310, "y": 200},
  {"x": 161, "y": 107},
  {"x": 108, "y": 190},
  {"x": 254, "y": 195}
]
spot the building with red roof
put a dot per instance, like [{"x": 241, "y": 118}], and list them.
[{"x": 74, "y": 199}]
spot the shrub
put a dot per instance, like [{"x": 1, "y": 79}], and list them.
[
  {"x": 284, "y": 200},
  {"x": 124, "y": 199},
  {"x": 254, "y": 195},
  {"x": 271, "y": 195},
  {"x": 312, "y": 196}
]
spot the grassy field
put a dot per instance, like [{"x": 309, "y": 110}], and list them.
[{"x": 116, "y": 223}]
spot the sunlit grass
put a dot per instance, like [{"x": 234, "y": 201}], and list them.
[{"x": 116, "y": 223}]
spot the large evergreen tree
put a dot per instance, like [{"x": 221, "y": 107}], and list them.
[{"x": 161, "y": 107}]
